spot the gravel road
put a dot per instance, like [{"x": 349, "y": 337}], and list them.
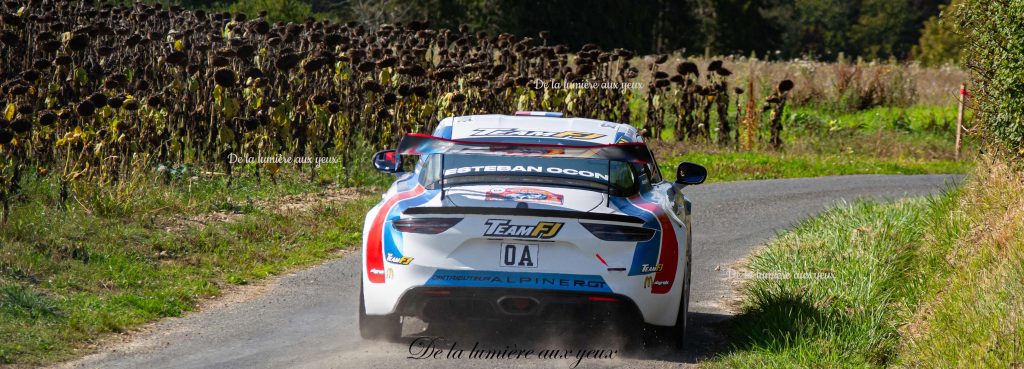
[{"x": 308, "y": 319}]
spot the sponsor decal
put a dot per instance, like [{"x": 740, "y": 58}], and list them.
[
  {"x": 525, "y": 169},
  {"x": 375, "y": 238},
  {"x": 549, "y": 281},
  {"x": 505, "y": 228},
  {"x": 524, "y": 194},
  {"x": 405, "y": 260},
  {"x": 513, "y": 132},
  {"x": 648, "y": 281},
  {"x": 390, "y": 274},
  {"x": 517, "y": 151},
  {"x": 662, "y": 249},
  {"x": 647, "y": 268}
]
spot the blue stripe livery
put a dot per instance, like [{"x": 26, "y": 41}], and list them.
[
  {"x": 494, "y": 279},
  {"x": 392, "y": 237},
  {"x": 646, "y": 252}
]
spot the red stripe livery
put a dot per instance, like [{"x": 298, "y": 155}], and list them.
[
  {"x": 374, "y": 244},
  {"x": 669, "y": 256}
]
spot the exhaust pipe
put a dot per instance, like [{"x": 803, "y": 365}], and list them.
[{"x": 518, "y": 305}]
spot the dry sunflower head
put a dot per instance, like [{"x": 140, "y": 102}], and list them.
[
  {"x": 714, "y": 65},
  {"x": 287, "y": 61},
  {"x": 47, "y": 118},
  {"x": 686, "y": 68},
  {"x": 786, "y": 85},
  {"x": 21, "y": 125},
  {"x": 86, "y": 108}
]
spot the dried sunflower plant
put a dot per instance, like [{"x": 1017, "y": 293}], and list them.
[{"x": 101, "y": 94}]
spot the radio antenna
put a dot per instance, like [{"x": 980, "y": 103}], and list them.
[
  {"x": 442, "y": 179},
  {"x": 608, "y": 183}
]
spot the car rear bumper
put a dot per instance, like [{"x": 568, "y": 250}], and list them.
[{"x": 477, "y": 303}]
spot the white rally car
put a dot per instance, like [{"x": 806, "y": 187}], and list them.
[{"x": 533, "y": 216}]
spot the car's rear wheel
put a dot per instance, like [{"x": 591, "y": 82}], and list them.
[
  {"x": 378, "y": 327},
  {"x": 651, "y": 336}
]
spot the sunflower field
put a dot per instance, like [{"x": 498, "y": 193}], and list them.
[{"x": 101, "y": 93}]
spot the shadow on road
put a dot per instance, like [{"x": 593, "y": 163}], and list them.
[{"x": 704, "y": 339}]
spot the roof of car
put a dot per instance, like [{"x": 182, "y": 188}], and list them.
[{"x": 496, "y": 127}]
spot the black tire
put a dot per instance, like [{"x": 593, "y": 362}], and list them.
[
  {"x": 378, "y": 327},
  {"x": 678, "y": 338},
  {"x": 651, "y": 336}
]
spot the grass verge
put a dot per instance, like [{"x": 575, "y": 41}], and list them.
[
  {"x": 68, "y": 276},
  {"x": 928, "y": 282}
]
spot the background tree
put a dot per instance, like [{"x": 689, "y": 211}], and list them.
[
  {"x": 277, "y": 10},
  {"x": 939, "y": 43},
  {"x": 884, "y": 28},
  {"x": 818, "y": 28},
  {"x": 992, "y": 31},
  {"x": 873, "y": 29},
  {"x": 737, "y": 20}
]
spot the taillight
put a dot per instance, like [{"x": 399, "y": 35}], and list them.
[
  {"x": 425, "y": 225},
  {"x": 611, "y": 232}
]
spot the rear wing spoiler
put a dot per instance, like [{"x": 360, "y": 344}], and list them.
[
  {"x": 421, "y": 144},
  {"x": 522, "y": 212}
]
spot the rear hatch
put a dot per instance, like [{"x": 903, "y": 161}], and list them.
[
  {"x": 524, "y": 196},
  {"x": 549, "y": 238}
]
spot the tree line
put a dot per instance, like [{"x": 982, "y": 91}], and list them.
[{"x": 775, "y": 29}]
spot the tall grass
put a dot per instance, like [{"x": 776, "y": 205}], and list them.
[
  {"x": 929, "y": 282},
  {"x": 870, "y": 272},
  {"x": 975, "y": 316}
]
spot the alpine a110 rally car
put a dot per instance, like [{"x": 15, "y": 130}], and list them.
[{"x": 528, "y": 216}]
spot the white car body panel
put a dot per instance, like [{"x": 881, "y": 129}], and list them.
[{"x": 572, "y": 260}]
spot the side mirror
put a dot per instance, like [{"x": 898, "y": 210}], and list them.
[
  {"x": 691, "y": 174},
  {"x": 387, "y": 161}
]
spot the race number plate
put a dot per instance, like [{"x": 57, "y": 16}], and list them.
[{"x": 519, "y": 255}]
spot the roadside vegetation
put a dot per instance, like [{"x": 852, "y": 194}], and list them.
[
  {"x": 67, "y": 276},
  {"x": 929, "y": 282},
  {"x": 121, "y": 207},
  {"x": 884, "y": 140},
  {"x": 925, "y": 283},
  {"x": 114, "y": 259}
]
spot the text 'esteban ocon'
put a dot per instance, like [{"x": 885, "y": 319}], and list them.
[{"x": 525, "y": 169}]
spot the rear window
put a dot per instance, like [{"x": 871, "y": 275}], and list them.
[{"x": 620, "y": 178}]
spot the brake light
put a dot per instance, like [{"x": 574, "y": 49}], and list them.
[
  {"x": 539, "y": 114},
  {"x": 602, "y": 299},
  {"x": 425, "y": 225},
  {"x": 611, "y": 232}
]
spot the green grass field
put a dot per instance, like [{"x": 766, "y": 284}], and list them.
[
  {"x": 67, "y": 277},
  {"x": 736, "y": 166},
  {"x": 913, "y": 140},
  {"x": 928, "y": 282}
]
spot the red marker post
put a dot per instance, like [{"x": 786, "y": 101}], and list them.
[{"x": 960, "y": 117}]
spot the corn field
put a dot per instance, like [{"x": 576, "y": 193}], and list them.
[{"x": 97, "y": 94}]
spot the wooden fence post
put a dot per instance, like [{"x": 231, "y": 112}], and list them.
[{"x": 960, "y": 118}]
